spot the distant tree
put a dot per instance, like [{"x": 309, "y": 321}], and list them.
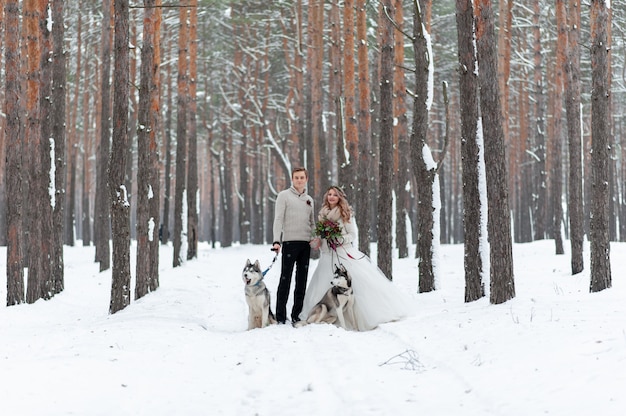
[
  {"x": 539, "y": 134},
  {"x": 600, "y": 158},
  {"x": 366, "y": 181},
  {"x": 574, "y": 128},
  {"x": 102, "y": 214},
  {"x": 385, "y": 167},
  {"x": 119, "y": 198},
  {"x": 315, "y": 70},
  {"x": 401, "y": 136},
  {"x": 556, "y": 149},
  {"x": 14, "y": 151},
  {"x": 148, "y": 181},
  {"x": 498, "y": 223},
  {"x": 347, "y": 154},
  {"x": 181, "y": 130},
  {"x": 470, "y": 151},
  {"x": 57, "y": 98},
  {"x": 192, "y": 139}
]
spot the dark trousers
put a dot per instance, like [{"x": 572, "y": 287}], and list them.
[{"x": 294, "y": 253}]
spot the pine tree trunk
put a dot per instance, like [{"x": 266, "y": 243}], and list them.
[
  {"x": 470, "y": 151},
  {"x": 385, "y": 167},
  {"x": 498, "y": 224},
  {"x": 401, "y": 136},
  {"x": 120, "y": 206},
  {"x": 556, "y": 153},
  {"x": 539, "y": 148},
  {"x": 348, "y": 170},
  {"x": 572, "y": 106},
  {"x": 58, "y": 133},
  {"x": 102, "y": 207},
  {"x": 192, "y": 140},
  {"x": 148, "y": 182},
  {"x": 600, "y": 127},
  {"x": 365, "y": 183},
  {"x": 424, "y": 173},
  {"x": 181, "y": 132},
  {"x": 14, "y": 189}
]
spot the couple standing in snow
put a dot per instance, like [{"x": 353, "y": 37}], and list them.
[{"x": 376, "y": 299}]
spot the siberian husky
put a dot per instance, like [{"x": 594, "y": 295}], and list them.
[
  {"x": 337, "y": 304},
  {"x": 257, "y": 297}
]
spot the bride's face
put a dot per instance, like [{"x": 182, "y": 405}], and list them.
[{"x": 332, "y": 197}]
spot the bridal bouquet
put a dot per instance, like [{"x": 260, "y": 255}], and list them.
[{"x": 330, "y": 231}]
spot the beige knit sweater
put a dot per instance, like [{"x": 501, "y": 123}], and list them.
[{"x": 293, "y": 216}]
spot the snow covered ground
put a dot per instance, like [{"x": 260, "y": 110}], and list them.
[{"x": 555, "y": 349}]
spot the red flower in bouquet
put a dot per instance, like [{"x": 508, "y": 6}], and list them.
[{"x": 330, "y": 231}]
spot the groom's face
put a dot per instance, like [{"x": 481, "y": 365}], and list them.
[{"x": 299, "y": 180}]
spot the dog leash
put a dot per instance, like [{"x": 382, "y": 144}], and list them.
[{"x": 271, "y": 264}]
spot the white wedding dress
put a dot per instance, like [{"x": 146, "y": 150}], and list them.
[{"x": 376, "y": 298}]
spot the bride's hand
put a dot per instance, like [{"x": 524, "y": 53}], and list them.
[{"x": 315, "y": 243}]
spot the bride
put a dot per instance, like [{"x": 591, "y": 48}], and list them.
[{"x": 376, "y": 298}]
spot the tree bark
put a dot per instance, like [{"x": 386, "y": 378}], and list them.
[
  {"x": 470, "y": 151},
  {"x": 148, "y": 182},
  {"x": 498, "y": 224},
  {"x": 366, "y": 181},
  {"x": 120, "y": 205},
  {"x": 102, "y": 232},
  {"x": 574, "y": 133},
  {"x": 424, "y": 171},
  {"x": 349, "y": 146},
  {"x": 14, "y": 150},
  {"x": 401, "y": 136},
  {"x": 385, "y": 167},
  {"x": 58, "y": 133},
  {"x": 600, "y": 127},
  {"x": 181, "y": 131},
  {"x": 192, "y": 139}
]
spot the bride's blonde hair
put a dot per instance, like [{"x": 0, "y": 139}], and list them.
[{"x": 344, "y": 207}]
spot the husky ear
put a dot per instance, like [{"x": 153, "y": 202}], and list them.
[
  {"x": 257, "y": 264},
  {"x": 248, "y": 262}
]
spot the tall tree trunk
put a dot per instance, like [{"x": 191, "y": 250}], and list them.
[
  {"x": 39, "y": 214},
  {"x": 385, "y": 167},
  {"x": 315, "y": 60},
  {"x": 556, "y": 171},
  {"x": 423, "y": 168},
  {"x": 58, "y": 133},
  {"x": 600, "y": 96},
  {"x": 102, "y": 208},
  {"x": 401, "y": 136},
  {"x": 72, "y": 140},
  {"x": 349, "y": 147},
  {"x": 120, "y": 206},
  {"x": 470, "y": 151},
  {"x": 498, "y": 223},
  {"x": 539, "y": 149},
  {"x": 148, "y": 182},
  {"x": 14, "y": 151},
  {"x": 165, "y": 228},
  {"x": 87, "y": 166},
  {"x": 181, "y": 130},
  {"x": 192, "y": 139},
  {"x": 366, "y": 182},
  {"x": 572, "y": 106}
]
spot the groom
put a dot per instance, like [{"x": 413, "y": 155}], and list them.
[{"x": 293, "y": 226}]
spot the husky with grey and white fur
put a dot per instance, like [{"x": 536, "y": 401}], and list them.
[
  {"x": 337, "y": 304},
  {"x": 257, "y": 297}
]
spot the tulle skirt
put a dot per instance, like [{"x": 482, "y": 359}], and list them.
[{"x": 376, "y": 298}]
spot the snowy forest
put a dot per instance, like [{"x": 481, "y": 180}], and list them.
[{"x": 174, "y": 122}]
